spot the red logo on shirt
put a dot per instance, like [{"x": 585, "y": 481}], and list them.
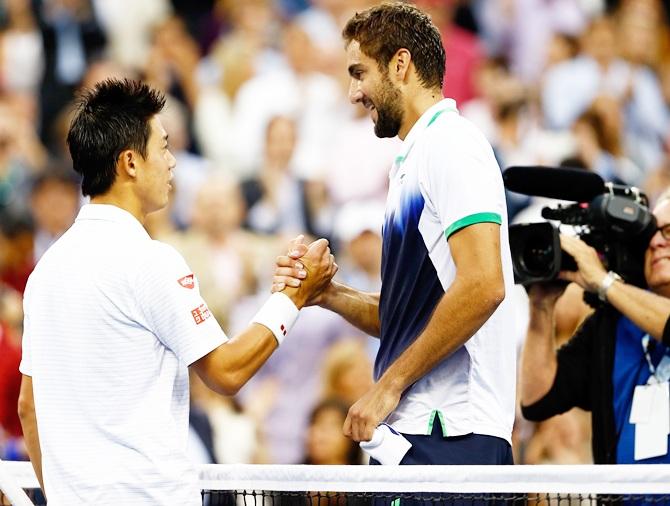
[
  {"x": 187, "y": 281},
  {"x": 201, "y": 313}
]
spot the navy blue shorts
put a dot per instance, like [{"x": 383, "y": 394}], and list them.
[{"x": 471, "y": 449}]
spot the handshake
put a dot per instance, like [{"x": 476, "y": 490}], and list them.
[{"x": 305, "y": 272}]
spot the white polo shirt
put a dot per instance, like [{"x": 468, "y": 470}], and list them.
[
  {"x": 113, "y": 319},
  {"x": 445, "y": 178}
]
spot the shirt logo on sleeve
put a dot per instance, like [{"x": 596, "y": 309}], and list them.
[
  {"x": 201, "y": 313},
  {"x": 187, "y": 281}
]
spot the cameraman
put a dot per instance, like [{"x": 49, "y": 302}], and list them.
[{"x": 622, "y": 345}]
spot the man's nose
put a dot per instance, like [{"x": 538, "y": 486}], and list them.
[{"x": 355, "y": 93}]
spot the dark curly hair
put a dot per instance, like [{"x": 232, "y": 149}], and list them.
[{"x": 385, "y": 28}]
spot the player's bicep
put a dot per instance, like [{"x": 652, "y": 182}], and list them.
[{"x": 476, "y": 253}]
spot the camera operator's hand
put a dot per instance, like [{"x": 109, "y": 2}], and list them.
[{"x": 590, "y": 271}]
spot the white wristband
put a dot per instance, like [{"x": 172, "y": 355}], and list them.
[{"x": 278, "y": 314}]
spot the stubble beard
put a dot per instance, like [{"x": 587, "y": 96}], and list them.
[{"x": 389, "y": 110}]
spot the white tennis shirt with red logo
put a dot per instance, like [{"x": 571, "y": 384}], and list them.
[{"x": 113, "y": 319}]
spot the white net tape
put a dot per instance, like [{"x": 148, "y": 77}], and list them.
[{"x": 619, "y": 479}]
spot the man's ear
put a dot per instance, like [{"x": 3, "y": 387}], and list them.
[
  {"x": 400, "y": 64},
  {"x": 127, "y": 163}
]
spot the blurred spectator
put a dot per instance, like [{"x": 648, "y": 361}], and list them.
[
  {"x": 296, "y": 90},
  {"x": 522, "y": 29},
  {"x": 54, "y": 203},
  {"x": 14, "y": 176},
  {"x": 72, "y": 39},
  {"x": 234, "y": 435},
  {"x": 11, "y": 315},
  {"x": 277, "y": 201},
  {"x": 219, "y": 252},
  {"x": 282, "y": 394},
  {"x": 463, "y": 49},
  {"x": 657, "y": 181},
  {"x": 355, "y": 163},
  {"x": 326, "y": 444},
  {"x": 571, "y": 87},
  {"x": 128, "y": 25},
  {"x": 173, "y": 60},
  {"x": 599, "y": 146},
  {"x": 21, "y": 57},
  {"x": 562, "y": 47},
  {"x": 641, "y": 32},
  {"x": 16, "y": 251},
  {"x": 358, "y": 229},
  {"x": 253, "y": 22},
  {"x": 213, "y": 123},
  {"x": 322, "y": 21},
  {"x": 563, "y": 439},
  {"x": 192, "y": 170},
  {"x": 347, "y": 371}
]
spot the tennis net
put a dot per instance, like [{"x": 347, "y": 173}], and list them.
[{"x": 299, "y": 485}]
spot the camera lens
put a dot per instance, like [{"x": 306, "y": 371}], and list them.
[{"x": 537, "y": 257}]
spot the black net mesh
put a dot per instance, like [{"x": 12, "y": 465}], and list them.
[{"x": 270, "y": 498}]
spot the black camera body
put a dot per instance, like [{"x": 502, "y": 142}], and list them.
[{"x": 616, "y": 222}]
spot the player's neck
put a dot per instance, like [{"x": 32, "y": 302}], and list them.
[
  {"x": 121, "y": 199},
  {"x": 418, "y": 102}
]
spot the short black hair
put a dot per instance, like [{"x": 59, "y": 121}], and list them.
[
  {"x": 385, "y": 28},
  {"x": 110, "y": 118}
]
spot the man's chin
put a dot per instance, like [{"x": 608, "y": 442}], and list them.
[{"x": 384, "y": 133}]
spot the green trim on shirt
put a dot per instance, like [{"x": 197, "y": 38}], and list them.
[
  {"x": 401, "y": 158},
  {"x": 436, "y": 413},
  {"x": 437, "y": 115},
  {"x": 471, "y": 220}
]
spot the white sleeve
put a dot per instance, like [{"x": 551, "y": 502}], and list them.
[
  {"x": 461, "y": 180},
  {"x": 168, "y": 296}
]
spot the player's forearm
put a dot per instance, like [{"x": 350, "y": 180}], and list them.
[
  {"x": 28, "y": 418},
  {"x": 538, "y": 358},
  {"x": 464, "y": 308},
  {"x": 227, "y": 368},
  {"x": 361, "y": 309},
  {"x": 645, "y": 309}
]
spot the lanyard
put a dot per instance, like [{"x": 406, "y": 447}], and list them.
[{"x": 660, "y": 373}]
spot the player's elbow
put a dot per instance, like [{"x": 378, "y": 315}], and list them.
[
  {"x": 492, "y": 291},
  {"x": 218, "y": 374},
  {"x": 25, "y": 408},
  {"x": 497, "y": 294},
  {"x": 230, "y": 382}
]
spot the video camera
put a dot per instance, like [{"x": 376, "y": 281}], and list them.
[{"x": 614, "y": 219}]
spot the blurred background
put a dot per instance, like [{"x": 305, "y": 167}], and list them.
[{"x": 268, "y": 146}]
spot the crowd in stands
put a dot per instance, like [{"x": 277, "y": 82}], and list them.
[{"x": 268, "y": 146}]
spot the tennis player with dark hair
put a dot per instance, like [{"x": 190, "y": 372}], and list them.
[
  {"x": 113, "y": 319},
  {"x": 445, "y": 371}
]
